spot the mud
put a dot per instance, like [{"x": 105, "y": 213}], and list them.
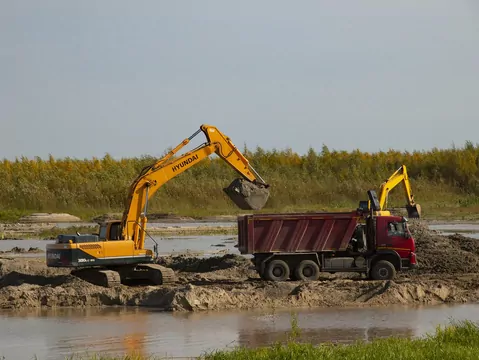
[
  {"x": 19, "y": 250},
  {"x": 49, "y": 218},
  {"x": 15, "y": 231},
  {"x": 447, "y": 274}
]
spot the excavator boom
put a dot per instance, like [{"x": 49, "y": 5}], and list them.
[
  {"x": 117, "y": 252},
  {"x": 400, "y": 176},
  {"x": 249, "y": 193}
]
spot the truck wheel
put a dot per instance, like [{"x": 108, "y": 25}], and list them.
[
  {"x": 383, "y": 270},
  {"x": 307, "y": 270},
  {"x": 277, "y": 270}
]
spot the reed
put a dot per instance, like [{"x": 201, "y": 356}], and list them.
[{"x": 442, "y": 179}]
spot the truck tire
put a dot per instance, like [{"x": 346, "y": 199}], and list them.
[
  {"x": 383, "y": 270},
  {"x": 307, "y": 270},
  {"x": 277, "y": 270}
]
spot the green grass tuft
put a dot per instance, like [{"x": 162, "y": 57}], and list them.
[{"x": 458, "y": 340}]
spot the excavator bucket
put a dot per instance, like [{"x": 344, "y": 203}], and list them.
[
  {"x": 247, "y": 195},
  {"x": 413, "y": 211}
]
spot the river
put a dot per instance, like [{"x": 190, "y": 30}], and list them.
[{"x": 55, "y": 334}]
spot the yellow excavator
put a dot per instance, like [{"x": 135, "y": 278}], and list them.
[
  {"x": 400, "y": 176},
  {"x": 117, "y": 254}
]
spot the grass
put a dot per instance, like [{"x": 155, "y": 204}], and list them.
[
  {"x": 445, "y": 182},
  {"x": 458, "y": 340}
]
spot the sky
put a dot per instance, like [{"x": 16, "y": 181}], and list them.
[{"x": 131, "y": 78}]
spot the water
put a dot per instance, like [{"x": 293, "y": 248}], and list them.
[
  {"x": 213, "y": 244},
  {"x": 469, "y": 230},
  {"x": 56, "y": 334},
  {"x": 200, "y": 245}
]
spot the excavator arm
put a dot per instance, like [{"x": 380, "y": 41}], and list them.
[
  {"x": 400, "y": 176},
  {"x": 250, "y": 194}
]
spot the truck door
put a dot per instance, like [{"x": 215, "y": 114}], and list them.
[{"x": 394, "y": 236}]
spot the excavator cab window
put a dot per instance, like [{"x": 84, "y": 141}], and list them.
[
  {"x": 102, "y": 233},
  {"x": 114, "y": 231}
]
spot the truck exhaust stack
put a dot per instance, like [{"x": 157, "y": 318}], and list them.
[{"x": 247, "y": 195}]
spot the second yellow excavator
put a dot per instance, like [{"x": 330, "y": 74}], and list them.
[
  {"x": 400, "y": 176},
  {"x": 117, "y": 252}
]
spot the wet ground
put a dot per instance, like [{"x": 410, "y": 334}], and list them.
[
  {"x": 55, "y": 334},
  {"x": 200, "y": 245},
  {"x": 51, "y": 334},
  {"x": 210, "y": 244}
]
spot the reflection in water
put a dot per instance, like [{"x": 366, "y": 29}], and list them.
[
  {"x": 257, "y": 338},
  {"x": 122, "y": 330},
  {"x": 55, "y": 334}
]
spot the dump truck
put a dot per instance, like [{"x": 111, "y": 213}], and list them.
[{"x": 298, "y": 246}]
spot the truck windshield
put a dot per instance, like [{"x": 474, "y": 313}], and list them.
[{"x": 397, "y": 229}]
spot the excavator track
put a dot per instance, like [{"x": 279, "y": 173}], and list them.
[
  {"x": 100, "y": 277},
  {"x": 158, "y": 274}
]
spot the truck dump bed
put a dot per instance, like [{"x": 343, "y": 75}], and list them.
[{"x": 296, "y": 232}]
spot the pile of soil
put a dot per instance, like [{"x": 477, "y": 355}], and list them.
[
  {"x": 188, "y": 263},
  {"x": 438, "y": 254},
  {"x": 19, "y": 250}
]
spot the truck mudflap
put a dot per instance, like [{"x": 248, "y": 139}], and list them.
[{"x": 247, "y": 195}]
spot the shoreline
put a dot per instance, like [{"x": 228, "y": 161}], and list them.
[{"x": 175, "y": 226}]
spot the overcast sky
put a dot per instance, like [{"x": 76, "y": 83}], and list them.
[{"x": 85, "y": 78}]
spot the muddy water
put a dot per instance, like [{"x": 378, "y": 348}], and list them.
[
  {"x": 470, "y": 230},
  {"x": 197, "y": 244},
  {"x": 215, "y": 243},
  {"x": 55, "y": 334}
]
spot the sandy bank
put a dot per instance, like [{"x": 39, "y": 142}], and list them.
[{"x": 447, "y": 275}]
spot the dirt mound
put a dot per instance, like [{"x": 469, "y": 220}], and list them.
[
  {"x": 16, "y": 278},
  {"x": 186, "y": 263},
  {"x": 453, "y": 254},
  {"x": 19, "y": 250},
  {"x": 49, "y": 218},
  {"x": 29, "y": 266}
]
